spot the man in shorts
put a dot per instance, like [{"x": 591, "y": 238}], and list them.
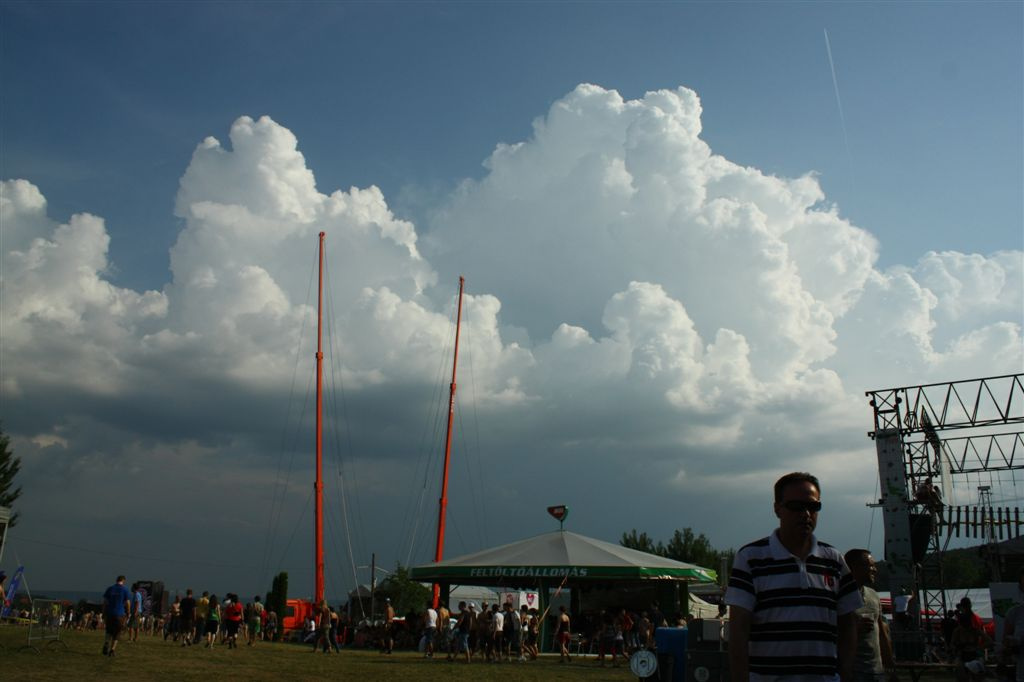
[
  {"x": 429, "y": 630},
  {"x": 135, "y": 622},
  {"x": 255, "y": 620},
  {"x": 462, "y": 629},
  {"x": 498, "y": 627},
  {"x": 116, "y": 606},
  {"x": 202, "y": 615},
  {"x": 188, "y": 618},
  {"x": 562, "y": 635}
]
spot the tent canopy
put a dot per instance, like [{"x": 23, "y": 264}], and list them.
[{"x": 560, "y": 555}]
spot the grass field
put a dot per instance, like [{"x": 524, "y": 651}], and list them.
[{"x": 151, "y": 658}]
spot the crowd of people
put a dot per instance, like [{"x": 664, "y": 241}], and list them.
[
  {"x": 496, "y": 633},
  {"x": 326, "y": 629},
  {"x": 206, "y": 622},
  {"x": 492, "y": 633},
  {"x": 797, "y": 607}
]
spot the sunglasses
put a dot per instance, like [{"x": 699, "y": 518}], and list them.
[{"x": 800, "y": 506}]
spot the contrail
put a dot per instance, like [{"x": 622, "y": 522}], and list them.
[{"x": 839, "y": 101}]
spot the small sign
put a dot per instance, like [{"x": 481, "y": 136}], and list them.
[{"x": 559, "y": 512}]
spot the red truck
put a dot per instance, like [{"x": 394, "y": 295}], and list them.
[{"x": 293, "y": 621}]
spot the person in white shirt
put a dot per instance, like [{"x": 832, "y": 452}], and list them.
[
  {"x": 498, "y": 623},
  {"x": 430, "y": 629}
]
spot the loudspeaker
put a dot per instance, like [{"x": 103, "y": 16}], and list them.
[{"x": 920, "y": 530}]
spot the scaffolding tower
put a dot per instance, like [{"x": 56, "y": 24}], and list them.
[{"x": 927, "y": 437}]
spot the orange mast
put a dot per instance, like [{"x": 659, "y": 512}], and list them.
[
  {"x": 439, "y": 552},
  {"x": 318, "y": 486}
]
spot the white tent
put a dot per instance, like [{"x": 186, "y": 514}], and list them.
[{"x": 559, "y": 556}]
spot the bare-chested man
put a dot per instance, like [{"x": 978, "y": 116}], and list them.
[{"x": 562, "y": 635}]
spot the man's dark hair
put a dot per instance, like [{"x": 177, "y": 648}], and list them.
[
  {"x": 857, "y": 557},
  {"x": 795, "y": 477},
  {"x": 120, "y": 579}
]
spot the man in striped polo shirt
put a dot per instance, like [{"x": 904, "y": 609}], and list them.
[{"x": 792, "y": 598}]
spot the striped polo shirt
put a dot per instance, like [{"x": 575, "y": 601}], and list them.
[{"x": 795, "y": 607}]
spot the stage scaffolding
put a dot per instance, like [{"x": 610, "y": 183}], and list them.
[{"x": 929, "y": 439}]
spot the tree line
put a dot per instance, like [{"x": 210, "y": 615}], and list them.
[{"x": 684, "y": 545}]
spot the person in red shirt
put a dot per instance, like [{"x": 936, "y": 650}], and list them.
[{"x": 233, "y": 613}]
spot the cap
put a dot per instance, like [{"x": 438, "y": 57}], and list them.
[{"x": 472, "y": 604}]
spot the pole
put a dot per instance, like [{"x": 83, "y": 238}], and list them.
[
  {"x": 443, "y": 504},
  {"x": 373, "y": 586},
  {"x": 318, "y": 486}
]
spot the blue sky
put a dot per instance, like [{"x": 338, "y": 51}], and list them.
[
  {"x": 707, "y": 309},
  {"x": 104, "y": 102}
]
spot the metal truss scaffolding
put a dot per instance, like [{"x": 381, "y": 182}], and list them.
[{"x": 926, "y": 437}]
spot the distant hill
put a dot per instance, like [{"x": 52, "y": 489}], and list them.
[
  {"x": 967, "y": 567},
  {"x": 72, "y": 596}
]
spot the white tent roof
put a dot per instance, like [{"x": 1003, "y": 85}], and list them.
[{"x": 560, "y": 555}]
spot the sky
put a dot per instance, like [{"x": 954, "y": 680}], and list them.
[{"x": 693, "y": 235}]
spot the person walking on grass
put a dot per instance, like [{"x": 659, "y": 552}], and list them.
[
  {"x": 135, "y": 621},
  {"x": 498, "y": 625},
  {"x": 335, "y": 628},
  {"x": 323, "y": 627},
  {"x": 429, "y": 630},
  {"x": 212, "y": 621},
  {"x": 175, "y": 622},
  {"x": 255, "y": 620},
  {"x": 188, "y": 615},
  {"x": 116, "y": 607},
  {"x": 389, "y": 626},
  {"x": 562, "y": 635},
  {"x": 484, "y": 638},
  {"x": 234, "y": 613},
  {"x": 462, "y": 629},
  {"x": 201, "y": 617}
]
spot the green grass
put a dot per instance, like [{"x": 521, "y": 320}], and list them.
[{"x": 151, "y": 658}]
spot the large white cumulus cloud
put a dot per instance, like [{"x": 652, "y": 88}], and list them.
[
  {"x": 632, "y": 291},
  {"x": 62, "y": 323},
  {"x": 764, "y": 272},
  {"x": 636, "y": 258}
]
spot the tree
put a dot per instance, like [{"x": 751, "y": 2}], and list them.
[
  {"x": 277, "y": 600},
  {"x": 406, "y": 594},
  {"x": 683, "y": 546},
  {"x": 9, "y": 467},
  {"x": 641, "y": 542}
]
